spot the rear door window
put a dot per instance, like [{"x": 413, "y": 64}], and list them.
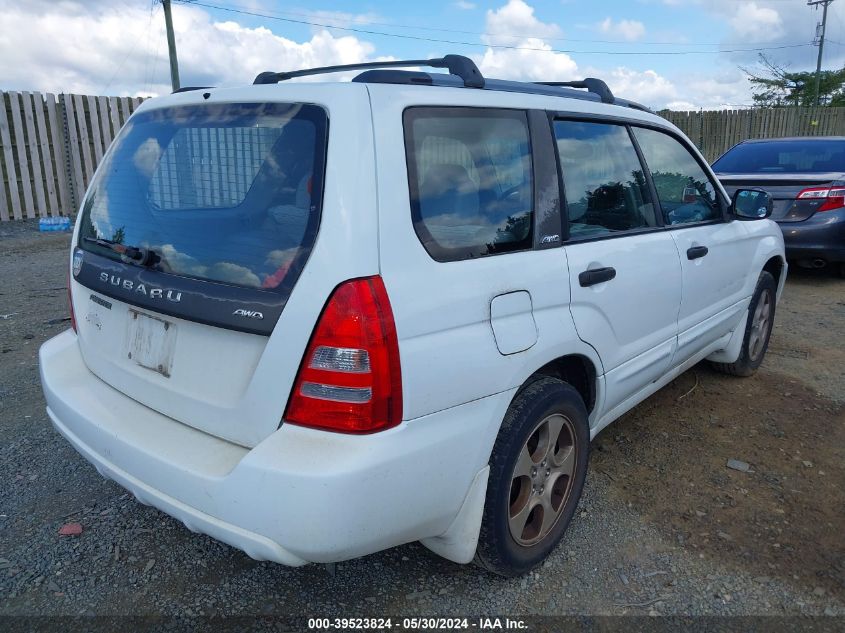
[
  {"x": 227, "y": 193},
  {"x": 606, "y": 190},
  {"x": 471, "y": 181}
]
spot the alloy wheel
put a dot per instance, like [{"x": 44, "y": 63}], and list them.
[
  {"x": 542, "y": 479},
  {"x": 761, "y": 323}
]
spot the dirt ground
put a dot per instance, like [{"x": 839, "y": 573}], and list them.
[
  {"x": 786, "y": 515},
  {"x": 665, "y": 527}
]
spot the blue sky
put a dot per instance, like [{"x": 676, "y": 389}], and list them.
[{"x": 676, "y": 53}]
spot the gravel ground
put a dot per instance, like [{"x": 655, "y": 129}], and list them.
[{"x": 664, "y": 526}]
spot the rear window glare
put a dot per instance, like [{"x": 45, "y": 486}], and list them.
[
  {"x": 228, "y": 193},
  {"x": 783, "y": 157},
  {"x": 470, "y": 180}
]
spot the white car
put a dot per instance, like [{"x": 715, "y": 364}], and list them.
[{"x": 318, "y": 320}]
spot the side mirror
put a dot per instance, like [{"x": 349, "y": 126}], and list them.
[{"x": 751, "y": 204}]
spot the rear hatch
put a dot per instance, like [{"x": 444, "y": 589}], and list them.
[
  {"x": 784, "y": 189},
  {"x": 191, "y": 239}
]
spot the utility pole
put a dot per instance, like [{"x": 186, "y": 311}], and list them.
[
  {"x": 819, "y": 40},
  {"x": 171, "y": 45}
]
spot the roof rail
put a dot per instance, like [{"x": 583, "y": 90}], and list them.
[
  {"x": 458, "y": 65},
  {"x": 596, "y": 86}
]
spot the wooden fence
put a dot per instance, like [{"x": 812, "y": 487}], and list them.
[
  {"x": 50, "y": 146},
  {"x": 717, "y": 131}
]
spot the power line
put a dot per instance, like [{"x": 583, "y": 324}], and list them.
[
  {"x": 128, "y": 53},
  {"x": 351, "y": 19},
  {"x": 147, "y": 45},
  {"x": 483, "y": 45},
  {"x": 161, "y": 36}
]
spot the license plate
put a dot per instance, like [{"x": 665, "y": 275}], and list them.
[{"x": 151, "y": 342}]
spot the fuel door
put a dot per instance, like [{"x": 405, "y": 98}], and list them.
[{"x": 512, "y": 319}]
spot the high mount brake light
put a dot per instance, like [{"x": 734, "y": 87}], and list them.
[
  {"x": 349, "y": 379},
  {"x": 834, "y": 197}
]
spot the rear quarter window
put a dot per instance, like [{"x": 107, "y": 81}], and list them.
[{"x": 470, "y": 180}]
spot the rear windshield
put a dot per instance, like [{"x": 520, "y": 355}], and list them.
[
  {"x": 787, "y": 157},
  {"x": 221, "y": 192}
]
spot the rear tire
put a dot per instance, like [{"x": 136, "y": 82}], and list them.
[
  {"x": 537, "y": 470},
  {"x": 758, "y": 329},
  {"x": 842, "y": 269}
]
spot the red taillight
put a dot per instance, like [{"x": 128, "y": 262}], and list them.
[
  {"x": 834, "y": 197},
  {"x": 349, "y": 379},
  {"x": 70, "y": 304}
]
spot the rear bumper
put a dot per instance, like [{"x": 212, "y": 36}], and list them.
[
  {"x": 821, "y": 236},
  {"x": 299, "y": 496},
  {"x": 257, "y": 546}
]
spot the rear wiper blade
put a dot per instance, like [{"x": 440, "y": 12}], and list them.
[{"x": 144, "y": 256}]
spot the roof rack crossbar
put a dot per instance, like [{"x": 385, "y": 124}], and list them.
[
  {"x": 458, "y": 65},
  {"x": 596, "y": 86}
]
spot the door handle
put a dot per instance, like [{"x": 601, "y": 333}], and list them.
[
  {"x": 695, "y": 252},
  {"x": 596, "y": 276}
]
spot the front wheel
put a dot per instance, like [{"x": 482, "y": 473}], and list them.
[
  {"x": 537, "y": 471},
  {"x": 758, "y": 329}
]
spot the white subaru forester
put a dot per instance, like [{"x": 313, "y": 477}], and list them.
[{"x": 318, "y": 320}]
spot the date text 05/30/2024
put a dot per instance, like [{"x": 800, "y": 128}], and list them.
[{"x": 417, "y": 624}]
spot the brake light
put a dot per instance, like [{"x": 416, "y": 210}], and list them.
[
  {"x": 834, "y": 197},
  {"x": 350, "y": 380},
  {"x": 70, "y": 304}
]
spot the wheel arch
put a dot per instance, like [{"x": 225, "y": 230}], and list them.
[
  {"x": 575, "y": 369},
  {"x": 775, "y": 267},
  {"x": 769, "y": 255}
]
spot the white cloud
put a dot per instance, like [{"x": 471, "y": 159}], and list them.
[
  {"x": 146, "y": 156},
  {"x": 516, "y": 19},
  {"x": 681, "y": 105},
  {"x": 712, "y": 85},
  {"x": 528, "y": 65},
  {"x": 466, "y": 6},
  {"x": 772, "y": 23},
  {"x": 719, "y": 90},
  {"x": 514, "y": 24},
  {"x": 756, "y": 23},
  {"x": 542, "y": 64},
  {"x": 646, "y": 86},
  {"x": 775, "y": 23},
  {"x": 629, "y": 30},
  {"x": 114, "y": 49}
]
